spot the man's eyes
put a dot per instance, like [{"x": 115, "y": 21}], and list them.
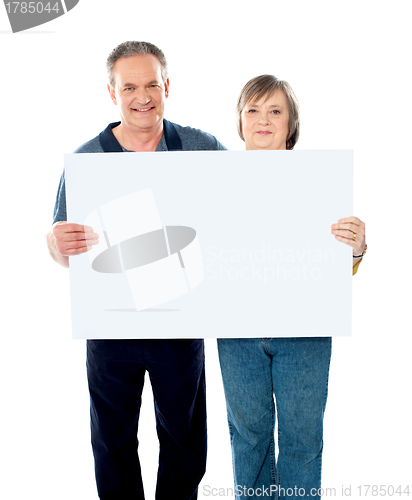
[{"x": 152, "y": 86}]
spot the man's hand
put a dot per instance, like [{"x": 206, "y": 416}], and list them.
[
  {"x": 66, "y": 239},
  {"x": 351, "y": 231}
]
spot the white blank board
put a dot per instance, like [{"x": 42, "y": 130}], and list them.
[{"x": 263, "y": 261}]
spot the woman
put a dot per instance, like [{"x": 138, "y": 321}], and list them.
[{"x": 294, "y": 370}]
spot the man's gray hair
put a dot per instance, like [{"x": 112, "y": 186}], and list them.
[{"x": 129, "y": 49}]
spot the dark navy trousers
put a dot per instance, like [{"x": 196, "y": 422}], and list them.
[{"x": 115, "y": 370}]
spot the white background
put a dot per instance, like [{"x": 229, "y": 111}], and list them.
[{"x": 349, "y": 64}]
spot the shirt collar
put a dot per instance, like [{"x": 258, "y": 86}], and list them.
[{"x": 170, "y": 140}]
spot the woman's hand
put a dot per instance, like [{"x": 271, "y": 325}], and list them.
[{"x": 350, "y": 231}]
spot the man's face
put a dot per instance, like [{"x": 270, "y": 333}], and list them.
[{"x": 140, "y": 92}]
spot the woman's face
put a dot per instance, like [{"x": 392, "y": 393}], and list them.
[{"x": 265, "y": 123}]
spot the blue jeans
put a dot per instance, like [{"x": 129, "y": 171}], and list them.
[{"x": 296, "y": 371}]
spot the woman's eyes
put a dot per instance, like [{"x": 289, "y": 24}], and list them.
[{"x": 274, "y": 111}]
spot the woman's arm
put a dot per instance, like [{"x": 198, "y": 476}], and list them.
[{"x": 351, "y": 231}]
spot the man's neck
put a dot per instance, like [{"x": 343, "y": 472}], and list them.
[{"x": 141, "y": 141}]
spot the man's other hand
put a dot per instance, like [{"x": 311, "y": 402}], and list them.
[{"x": 67, "y": 239}]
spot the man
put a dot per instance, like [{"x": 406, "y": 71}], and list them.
[{"x": 139, "y": 86}]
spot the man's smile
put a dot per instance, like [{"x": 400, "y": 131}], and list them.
[{"x": 143, "y": 110}]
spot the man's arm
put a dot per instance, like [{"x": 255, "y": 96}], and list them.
[{"x": 66, "y": 239}]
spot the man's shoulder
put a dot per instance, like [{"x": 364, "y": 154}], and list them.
[
  {"x": 194, "y": 139},
  {"x": 92, "y": 146}
]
